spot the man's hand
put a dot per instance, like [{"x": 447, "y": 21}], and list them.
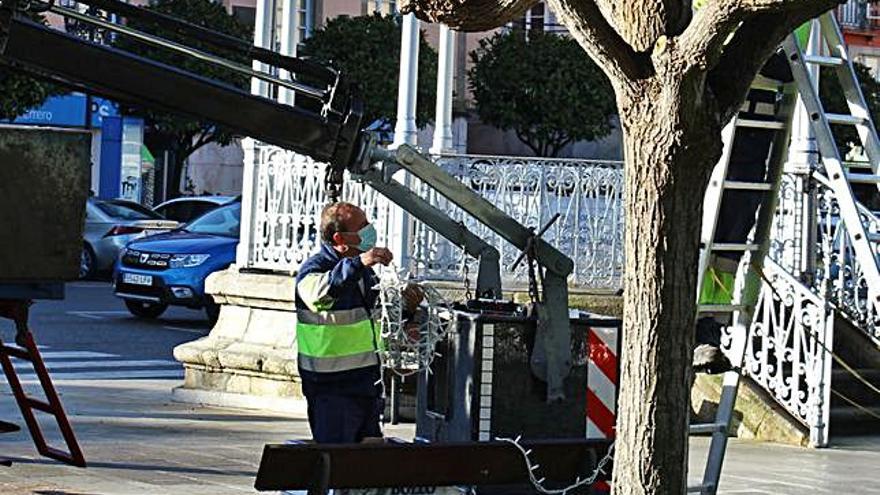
[
  {"x": 413, "y": 296},
  {"x": 375, "y": 256}
]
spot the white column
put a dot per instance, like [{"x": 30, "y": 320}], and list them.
[
  {"x": 445, "y": 70},
  {"x": 263, "y": 37},
  {"x": 803, "y": 157},
  {"x": 288, "y": 37},
  {"x": 263, "y": 30},
  {"x": 803, "y": 152},
  {"x": 248, "y": 198},
  {"x": 405, "y": 131}
]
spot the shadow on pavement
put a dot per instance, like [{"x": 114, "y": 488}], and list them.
[{"x": 140, "y": 467}]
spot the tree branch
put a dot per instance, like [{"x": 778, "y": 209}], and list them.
[
  {"x": 753, "y": 43},
  {"x": 205, "y": 137},
  {"x": 642, "y": 22},
  {"x": 468, "y": 15},
  {"x": 529, "y": 140},
  {"x": 594, "y": 33},
  {"x": 704, "y": 40}
]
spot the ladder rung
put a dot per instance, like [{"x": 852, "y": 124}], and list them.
[
  {"x": 40, "y": 405},
  {"x": 734, "y": 246},
  {"x": 17, "y": 352},
  {"x": 873, "y": 236},
  {"x": 747, "y": 186},
  {"x": 701, "y": 488},
  {"x": 844, "y": 119},
  {"x": 766, "y": 83},
  {"x": 826, "y": 61},
  {"x": 863, "y": 178},
  {"x": 760, "y": 124},
  {"x": 701, "y": 428},
  {"x": 865, "y": 165},
  {"x": 720, "y": 308}
]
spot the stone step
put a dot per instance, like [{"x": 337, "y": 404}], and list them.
[
  {"x": 849, "y": 421},
  {"x": 849, "y": 385},
  {"x": 851, "y": 344}
]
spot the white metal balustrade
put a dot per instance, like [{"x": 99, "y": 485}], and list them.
[
  {"x": 587, "y": 194},
  {"x": 288, "y": 194},
  {"x": 788, "y": 352}
]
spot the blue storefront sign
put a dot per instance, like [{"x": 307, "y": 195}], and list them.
[
  {"x": 57, "y": 111},
  {"x": 71, "y": 110},
  {"x": 101, "y": 108}
]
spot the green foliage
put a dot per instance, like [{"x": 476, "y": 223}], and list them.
[
  {"x": 20, "y": 92},
  {"x": 835, "y": 102},
  {"x": 366, "y": 49},
  {"x": 543, "y": 88},
  {"x": 179, "y": 134}
]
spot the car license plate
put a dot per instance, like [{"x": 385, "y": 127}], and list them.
[{"x": 135, "y": 279}]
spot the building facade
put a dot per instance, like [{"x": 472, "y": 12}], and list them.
[{"x": 860, "y": 22}]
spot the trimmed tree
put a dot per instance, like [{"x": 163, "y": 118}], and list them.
[
  {"x": 182, "y": 136},
  {"x": 367, "y": 50},
  {"x": 541, "y": 87},
  {"x": 679, "y": 77}
]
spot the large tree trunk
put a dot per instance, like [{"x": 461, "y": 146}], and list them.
[{"x": 671, "y": 144}]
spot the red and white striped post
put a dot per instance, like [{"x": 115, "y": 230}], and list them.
[{"x": 602, "y": 365}]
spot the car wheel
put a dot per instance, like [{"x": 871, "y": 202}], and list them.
[
  {"x": 212, "y": 309},
  {"x": 86, "y": 263},
  {"x": 143, "y": 309}
]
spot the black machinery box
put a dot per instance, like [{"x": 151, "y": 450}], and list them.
[{"x": 481, "y": 386}]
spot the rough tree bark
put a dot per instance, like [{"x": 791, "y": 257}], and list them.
[
  {"x": 670, "y": 145},
  {"x": 679, "y": 77}
]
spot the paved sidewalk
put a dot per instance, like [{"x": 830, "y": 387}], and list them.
[{"x": 138, "y": 442}]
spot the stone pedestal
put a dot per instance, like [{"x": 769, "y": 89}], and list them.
[{"x": 249, "y": 358}]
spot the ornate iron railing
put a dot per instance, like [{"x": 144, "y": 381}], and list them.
[
  {"x": 788, "y": 352},
  {"x": 288, "y": 196},
  {"x": 811, "y": 242},
  {"x": 587, "y": 194},
  {"x": 813, "y": 274},
  {"x": 839, "y": 275}
]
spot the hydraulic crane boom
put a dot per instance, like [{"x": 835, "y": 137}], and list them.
[
  {"x": 327, "y": 135},
  {"x": 325, "y": 123}
]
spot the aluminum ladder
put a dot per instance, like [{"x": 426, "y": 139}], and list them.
[
  {"x": 746, "y": 289},
  {"x": 836, "y": 176}
]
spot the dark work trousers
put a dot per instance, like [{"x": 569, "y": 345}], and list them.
[
  {"x": 344, "y": 407},
  {"x": 344, "y": 419}
]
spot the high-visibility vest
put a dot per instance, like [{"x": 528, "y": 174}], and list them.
[
  {"x": 340, "y": 340},
  {"x": 331, "y": 339}
]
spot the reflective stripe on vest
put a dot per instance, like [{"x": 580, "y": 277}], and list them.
[
  {"x": 339, "y": 317},
  {"x": 342, "y": 363},
  {"x": 331, "y": 341}
]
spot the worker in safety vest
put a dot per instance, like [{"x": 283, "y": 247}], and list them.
[{"x": 336, "y": 337}]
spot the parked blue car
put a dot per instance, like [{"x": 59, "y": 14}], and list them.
[{"x": 170, "y": 269}]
